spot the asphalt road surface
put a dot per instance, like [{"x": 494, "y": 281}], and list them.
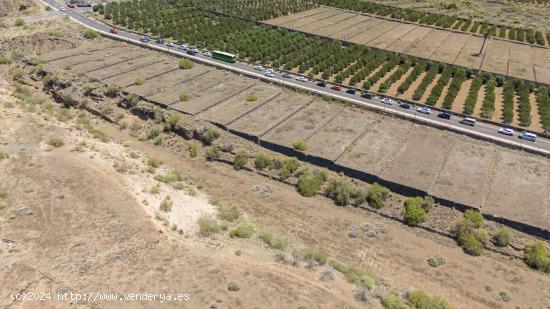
[{"x": 483, "y": 130}]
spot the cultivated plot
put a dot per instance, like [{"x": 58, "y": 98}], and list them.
[
  {"x": 303, "y": 124},
  {"x": 124, "y": 67},
  {"x": 520, "y": 188},
  {"x": 166, "y": 81},
  {"x": 241, "y": 104},
  {"x": 190, "y": 88},
  {"x": 271, "y": 114},
  {"x": 166, "y": 66},
  {"x": 112, "y": 59}
]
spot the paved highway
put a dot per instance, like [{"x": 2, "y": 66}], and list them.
[{"x": 483, "y": 130}]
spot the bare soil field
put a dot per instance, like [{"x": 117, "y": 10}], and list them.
[
  {"x": 421, "y": 41},
  {"x": 392, "y": 149}
]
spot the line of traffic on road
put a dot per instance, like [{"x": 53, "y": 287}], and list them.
[{"x": 344, "y": 93}]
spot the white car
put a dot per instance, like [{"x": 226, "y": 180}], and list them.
[
  {"x": 183, "y": 47},
  {"x": 207, "y": 54},
  {"x": 170, "y": 44},
  {"x": 388, "y": 101},
  {"x": 62, "y": 8},
  {"x": 301, "y": 79},
  {"x": 259, "y": 68},
  {"x": 506, "y": 131},
  {"x": 269, "y": 74},
  {"x": 424, "y": 110}
]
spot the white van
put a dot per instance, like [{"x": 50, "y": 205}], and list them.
[
  {"x": 468, "y": 121},
  {"x": 528, "y": 136}
]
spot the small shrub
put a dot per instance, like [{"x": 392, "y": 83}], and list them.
[
  {"x": 339, "y": 266},
  {"x": 19, "y": 22},
  {"x": 502, "y": 237},
  {"x": 288, "y": 167},
  {"x": 273, "y": 241},
  {"x": 171, "y": 121},
  {"x": 139, "y": 81},
  {"x": 230, "y": 214},
  {"x": 251, "y": 97},
  {"x": 151, "y": 133},
  {"x": 475, "y": 217},
  {"x": 420, "y": 299},
  {"x": 3, "y": 59},
  {"x": 155, "y": 189},
  {"x": 106, "y": 109},
  {"x": 212, "y": 153},
  {"x": 414, "y": 214},
  {"x": 193, "y": 150},
  {"x": 393, "y": 301},
  {"x": 299, "y": 145},
  {"x": 112, "y": 91},
  {"x": 263, "y": 161},
  {"x": 436, "y": 261},
  {"x": 472, "y": 245},
  {"x": 361, "y": 278},
  {"x": 210, "y": 135},
  {"x": 240, "y": 160},
  {"x": 185, "y": 64},
  {"x": 3, "y": 155},
  {"x": 3, "y": 194},
  {"x": 316, "y": 255},
  {"x": 536, "y": 256},
  {"x": 55, "y": 141},
  {"x": 90, "y": 34},
  {"x": 244, "y": 230},
  {"x": 377, "y": 195},
  {"x": 358, "y": 196},
  {"x": 310, "y": 183},
  {"x": 184, "y": 97},
  {"x": 505, "y": 297},
  {"x": 166, "y": 204},
  {"x": 154, "y": 162},
  {"x": 170, "y": 177},
  {"x": 208, "y": 226},
  {"x": 67, "y": 67},
  {"x": 132, "y": 100},
  {"x": 339, "y": 190}
]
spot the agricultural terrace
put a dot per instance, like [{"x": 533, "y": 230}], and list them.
[
  {"x": 485, "y": 95},
  {"x": 503, "y": 31},
  {"x": 439, "y": 162}
]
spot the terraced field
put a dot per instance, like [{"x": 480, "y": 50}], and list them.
[{"x": 498, "y": 181}]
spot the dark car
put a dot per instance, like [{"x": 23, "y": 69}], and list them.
[
  {"x": 321, "y": 84},
  {"x": 366, "y": 95},
  {"x": 444, "y": 115},
  {"x": 159, "y": 41},
  {"x": 286, "y": 75},
  {"x": 405, "y": 105},
  {"x": 350, "y": 91}
]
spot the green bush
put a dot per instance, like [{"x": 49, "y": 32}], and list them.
[
  {"x": 139, "y": 81},
  {"x": 377, "y": 195},
  {"x": 19, "y": 22},
  {"x": 244, "y": 230},
  {"x": 3, "y": 155},
  {"x": 55, "y": 141},
  {"x": 90, "y": 34},
  {"x": 536, "y": 256},
  {"x": 339, "y": 266},
  {"x": 210, "y": 135},
  {"x": 112, "y": 91},
  {"x": 361, "y": 278},
  {"x": 230, "y": 214},
  {"x": 316, "y": 255},
  {"x": 299, "y": 145},
  {"x": 184, "y": 97},
  {"x": 475, "y": 217},
  {"x": 288, "y": 167},
  {"x": 263, "y": 161},
  {"x": 208, "y": 226},
  {"x": 339, "y": 190},
  {"x": 3, "y": 59},
  {"x": 154, "y": 162},
  {"x": 240, "y": 160},
  {"x": 193, "y": 150},
  {"x": 212, "y": 153},
  {"x": 185, "y": 64},
  {"x": 502, "y": 237},
  {"x": 166, "y": 204},
  {"x": 251, "y": 97},
  {"x": 171, "y": 121},
  {"x": 273, "y": 241},
  {"x": 421, "y": 300},
  {"x": 170, "y": 177},
  {"x": 414, "y": 214},
  {"x": 393, "y": 301},
  {"x": 310, "y": 183},
  {"x": 471, "y": 244}
]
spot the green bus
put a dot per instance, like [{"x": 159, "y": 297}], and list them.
[{"x": 223, "y": 56}]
